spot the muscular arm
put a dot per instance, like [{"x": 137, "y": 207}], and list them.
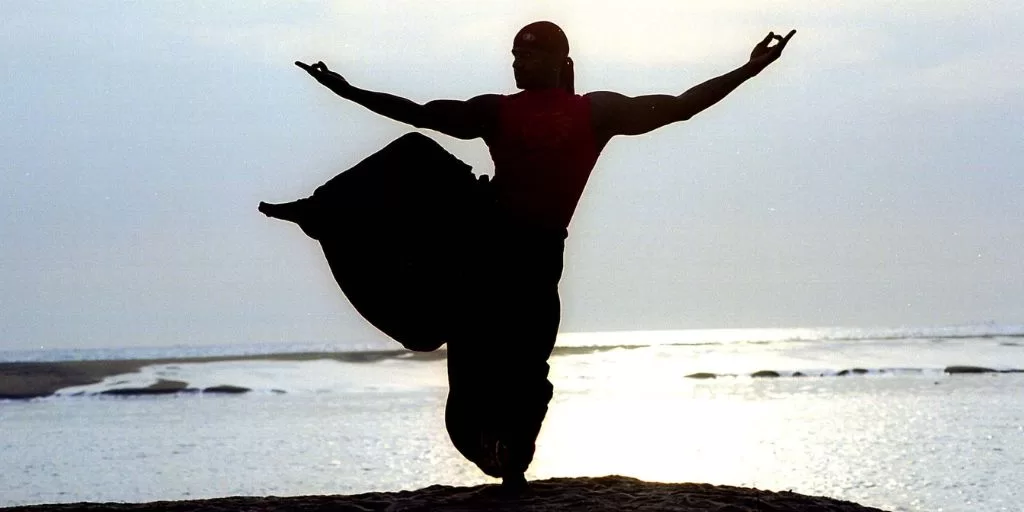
[
  {"x": 461, "y": 119},
  {"x": 616, "y": 114}
]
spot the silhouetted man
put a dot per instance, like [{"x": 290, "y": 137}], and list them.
[{"x": 544, "y": 142}]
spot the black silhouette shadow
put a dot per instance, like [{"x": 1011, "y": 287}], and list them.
[{"x": 430, "y": 254}]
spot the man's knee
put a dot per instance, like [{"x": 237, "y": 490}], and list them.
[{"x": 414, "y": 140}]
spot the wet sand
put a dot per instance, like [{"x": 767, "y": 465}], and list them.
[
  {"x": 611, "y": 493},
  {"x": 27, "y": 380}
]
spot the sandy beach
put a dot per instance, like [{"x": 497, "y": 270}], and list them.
[{"x": 611, "y": 493}]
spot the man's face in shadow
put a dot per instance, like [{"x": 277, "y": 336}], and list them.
[{"x": 535, "y": 68}]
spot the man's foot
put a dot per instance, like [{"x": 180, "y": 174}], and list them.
[
  {"x": 293, "y": 211},
  {"x": 300, "y": 212},
  {"x": 514, "y": 485}
]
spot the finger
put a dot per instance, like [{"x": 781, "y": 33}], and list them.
[
  {"x": 785, "y": 40},
  {"x": 767, "y": 39},
  {"x": 303, "y": 65}
]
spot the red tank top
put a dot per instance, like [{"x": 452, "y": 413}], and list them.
[{"x": 543, "y": 152}]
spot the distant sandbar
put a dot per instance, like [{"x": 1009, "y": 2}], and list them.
[{"x": 25, "y": 380}]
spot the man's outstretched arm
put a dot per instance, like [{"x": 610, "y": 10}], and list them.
[
  {"x": 461, "y": 119},
  {"x": 616, "y": 114}
]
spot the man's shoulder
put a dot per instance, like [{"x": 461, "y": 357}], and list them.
[
  {"x": 604, "y": 104},
  {"x": 604, "y": 94},
  {"x": 605, "y": 98},
  {"x": 486, "y": 98}
]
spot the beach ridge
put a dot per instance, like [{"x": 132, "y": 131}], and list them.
[{"x": 609, "y": 493}]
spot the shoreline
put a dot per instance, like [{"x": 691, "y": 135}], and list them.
[
  {"x": 28, "y": 380},
  {"x": 40, "y": 379},
  {"x": 609, "y": 493}
]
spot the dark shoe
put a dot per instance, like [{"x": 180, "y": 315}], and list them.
[{"x": 514, "y": 486}]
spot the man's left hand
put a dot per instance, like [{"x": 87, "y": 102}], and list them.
[{"x": 764, "y": 54}]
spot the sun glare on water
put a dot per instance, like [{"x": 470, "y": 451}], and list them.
[{"x": 670, "y": 437}]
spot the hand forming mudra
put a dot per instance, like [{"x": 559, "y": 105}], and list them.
[
  {"x": 323, "y": 75},
  {"x": 762, "y": 55}
]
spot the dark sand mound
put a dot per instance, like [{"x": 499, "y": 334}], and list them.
[{"x": 590, "y": 494}]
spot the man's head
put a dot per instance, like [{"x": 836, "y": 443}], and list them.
[{"x": 541, "y": 60}]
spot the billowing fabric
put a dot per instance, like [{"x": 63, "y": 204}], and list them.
[
  {"x": 396, "y": 230},
  {"x": 497, "y": 362},
  {"x": 429, "y": 254}
]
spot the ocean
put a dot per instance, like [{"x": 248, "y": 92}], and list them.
[{"x": 903, "y": 419}]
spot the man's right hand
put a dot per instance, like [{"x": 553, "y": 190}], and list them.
[{"x": 329, "y": 78}]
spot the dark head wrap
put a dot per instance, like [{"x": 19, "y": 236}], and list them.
[
  {"x": 548, "y": 37},
  {"x": 544, "y": 35}
]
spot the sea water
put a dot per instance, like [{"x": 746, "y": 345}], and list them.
[{"x": 899, "y": 433}]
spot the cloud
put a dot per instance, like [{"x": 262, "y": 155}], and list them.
[{"x": 915, "y": 42}]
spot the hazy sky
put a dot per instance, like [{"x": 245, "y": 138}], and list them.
[{"x": 871, "y": 177}]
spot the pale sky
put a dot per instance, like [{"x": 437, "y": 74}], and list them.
[{"x": 871, "y": 177}]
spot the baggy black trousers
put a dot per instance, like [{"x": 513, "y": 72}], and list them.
[
  {"x": 421, "y": 249},
  {"x": 497, "y": 361}
]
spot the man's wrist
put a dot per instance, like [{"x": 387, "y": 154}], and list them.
[
  {"x": 751, "y": 69},
  {"x": 343, "y": 88}
]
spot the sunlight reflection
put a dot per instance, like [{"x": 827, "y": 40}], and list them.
[
  {"x": 697, "y": 439},
  {"x": 639, "y": 416}
]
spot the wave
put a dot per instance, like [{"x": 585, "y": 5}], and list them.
[
  {"x": 803, "y": 335},
  {"x": 325, "y": 376},
  {"x": 949, "y": 370},
  {"x": 377, "y": 356},
  {"x": 568, "y": 343}
]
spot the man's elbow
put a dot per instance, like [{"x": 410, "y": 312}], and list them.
[
  {"x": 685, "y": 106},
  {"x": 459, "y": 132},
  {"x": 462, "y": 135},
  {"x": 684, "y": 112},
  {"x": 418, "y": 120}
]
